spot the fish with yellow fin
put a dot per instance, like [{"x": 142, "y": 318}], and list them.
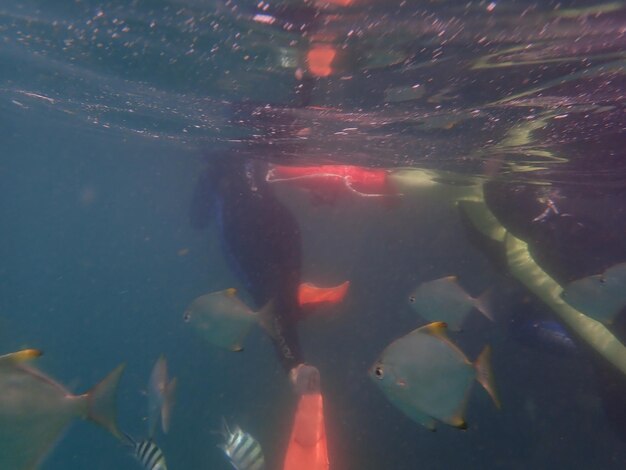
[
  {"x": 35, "y": 410},
  {"x": 222, "y": 319},
  {"x": 445, "y": 300},
  {"x": 428, "y": 378}
]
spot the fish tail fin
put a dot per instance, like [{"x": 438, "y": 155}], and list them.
[
  {"x": 484, "y": 374},
  {"x": 168, "y": 403},
  {"x": 483, "y": 304},
  {"x": 266, "y": 318},
  {"x": 101, "y": 401}
]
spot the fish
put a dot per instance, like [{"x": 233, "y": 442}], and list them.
[
  {"x": 445, "y": 300},
  {"x": 147, "y": 453},
  {"x": 428, "y": 378},
  {"x": 261, "y": 240},
  {"x": 561, "y": 249},
  {"x": 243, "y": 451},
  {"x": 35, "y": 409},
  {"x": 543, "y": 334},
  {"x": 553, "y": 336},
  {"x": 222, "y": 319},
  {"x": 160, "y": 397},
  {"x": 600, "y": 296}
]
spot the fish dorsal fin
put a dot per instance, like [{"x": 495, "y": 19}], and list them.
[
  {"x": 437, "y": 329},
  {"x": 20, "y": 356},
  {"x": 231, "y": 292},
  {"x": 101, "y": 401}
]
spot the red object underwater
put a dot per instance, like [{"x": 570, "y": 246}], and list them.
[
  {"x": 309, "y": 294},
  {"x": 307, "y": 445},
  {"x": 362, "y": 181}
]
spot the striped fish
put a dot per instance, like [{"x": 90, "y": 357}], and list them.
[
  {"x": 243, "y": 451},
  {"x": 147, "y": 453}
]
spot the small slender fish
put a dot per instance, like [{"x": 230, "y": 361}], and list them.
[
  {"x": 545, "y": 335},
  {"x": 601, "y": 296},
  {"x": 243, "y": 451},
  {"x": 428, "y": 378},
  {"x": 147, "y": 453},
  {"x": 446, "y": 301},
  {"x": 222, "y": 319},
  {"x": 160, "y": 397}
]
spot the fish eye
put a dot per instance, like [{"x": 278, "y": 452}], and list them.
[
  {"x": 378, "y": 372},
  {"x": 411, "y": 298},
  {"x": 187, "y": 316}
]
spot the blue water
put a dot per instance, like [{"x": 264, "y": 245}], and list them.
[{"x": 104, "y": 131}]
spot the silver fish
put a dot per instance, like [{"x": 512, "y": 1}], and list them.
[
  {"x": 222, "y": 319},
  {"x": 601, "y": 296},
  {"x": 160, "y": 397},
  {"x": 428, "y": 378},
  {"x": 34, "y": 410},
  {"x": 445, "y": 300},
  {"x": 243, "y": 451},
  {"x": 147, "y": 453}
]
